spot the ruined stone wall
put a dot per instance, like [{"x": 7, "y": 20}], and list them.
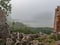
[
  {"x": 4, "y": 27},
  {"x": 57, "y": 19}
]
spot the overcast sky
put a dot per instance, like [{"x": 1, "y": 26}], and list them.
[{"x": 35, "y": 13}]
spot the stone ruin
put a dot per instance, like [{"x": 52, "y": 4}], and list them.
[
  {"x": 4, "y": 27},
  {"x": 57, "y": 19}
]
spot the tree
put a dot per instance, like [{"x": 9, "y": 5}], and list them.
[
  {"x": 13, "y": 25},
  {"x": 6, "y": 6}
]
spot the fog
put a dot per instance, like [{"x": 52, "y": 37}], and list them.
[{"x": 34, "y": 13}]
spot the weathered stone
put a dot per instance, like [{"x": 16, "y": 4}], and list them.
[
  {"x": 9, "y": 41},
  {"x": 2, "y": 42},
  {"x": 4, "y": 27},
  {"x": 18, "y": 42},
  {"x": 35, "y": 42},
  {"x": 57, "y": 19}
]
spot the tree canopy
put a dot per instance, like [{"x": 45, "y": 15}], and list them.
[{"x": 6, "y": 6}]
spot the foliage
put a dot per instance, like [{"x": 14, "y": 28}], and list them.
[
  {"x": 6, "y": 6},
  {"x": 20, "y": 27},
  {"x": 39, "y": 39},
  {"x": 58, "y": 36},
  {"x": 53, "y": 37},
  {"x": 46, "y": 30}
]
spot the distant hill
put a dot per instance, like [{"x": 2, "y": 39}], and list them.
[
  {"x": 19, "y": 24},
  {"x": 47, "y": 30},
  {"x": 42, "y": 29}
]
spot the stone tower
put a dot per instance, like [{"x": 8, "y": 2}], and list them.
[
  {"x": 57, "y": 19},
  {"x": 4, "y": 27}
]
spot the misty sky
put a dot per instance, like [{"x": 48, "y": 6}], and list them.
[{"x": 35, "y": 13}]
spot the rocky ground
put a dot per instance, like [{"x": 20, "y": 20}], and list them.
[{"x": 33, "y": 39}]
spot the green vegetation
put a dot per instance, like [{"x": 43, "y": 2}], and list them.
[
  {"x": 20, "y": 27},
  {"x": 46, "y": 30},
  {"x": 5, "y": 6},
  {"x": 58, "y": 36}
]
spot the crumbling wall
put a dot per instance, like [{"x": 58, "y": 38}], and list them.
[
  {"x": 4, "y": 27},
  {"x": 57, "y": 19}
]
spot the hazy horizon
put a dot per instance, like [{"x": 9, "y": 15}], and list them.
[{"x": 34, "y": 13}]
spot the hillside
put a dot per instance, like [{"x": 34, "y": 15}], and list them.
[
  {"x": 22, "y": 27},
  {"x": 42, "y": 29}
]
